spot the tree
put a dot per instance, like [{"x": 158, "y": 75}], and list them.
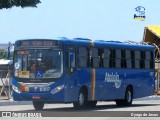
[
  {"x": 3, "y": 54},
  {"x": 18, "y": 3}
]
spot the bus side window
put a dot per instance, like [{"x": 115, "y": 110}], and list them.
[
  {"x": 123, "y": 59},
  {"x": 137, "y": 64},
  {"x": 112, "y": 58},
  {"x": 149, "y": 60},
  {"x": 83, "y": 57},
  {"x": 105, "y": 57},
  {"x": 137, "y": 54},
  {"x": 128, "y": 54},
  {"x": 82, "y": 62},
  {"x": 148, "y": 55},
  {"x": 133, "y": 58},
  {"x": 142, "y": 61},
  {"x": 147, "y": 64},
  {"x": 137, "y": 59},
  {"x": 107, "y": 53},
  {"x": 95, "y": 58},
  {"x": 129, "y": 63},
  {"x": 128, "y": 57},
  {"x": 118, "y": 58}
]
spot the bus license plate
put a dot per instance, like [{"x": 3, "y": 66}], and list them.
[{"x": 36, "y": 97}]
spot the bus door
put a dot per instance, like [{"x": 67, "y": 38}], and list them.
[{"x": 71, "y": 74}]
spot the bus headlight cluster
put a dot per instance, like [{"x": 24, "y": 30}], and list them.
[
  {"x": 57, "y": 89},
  {"x": 16, "y": 89}
]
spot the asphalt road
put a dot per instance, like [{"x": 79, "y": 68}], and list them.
[
  {"x": 144, "y": 105},
  {"x": 140, "y": 108}
]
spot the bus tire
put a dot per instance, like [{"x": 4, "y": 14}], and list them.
[
  {"x": 127, "y": 101},
  {"x": 82, "y": 100},
  {"x": 38, "y": 105},
  {"x": 128, "y": 96}
]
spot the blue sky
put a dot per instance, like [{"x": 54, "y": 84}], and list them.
[{"x": 94, "y": 19}]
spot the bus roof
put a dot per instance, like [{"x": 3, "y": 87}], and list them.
[
  {"x": 98, "y": 43},
  {"x": 108, "y": 44}
]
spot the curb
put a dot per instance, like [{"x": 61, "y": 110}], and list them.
[{"x": 154, "y": 97}]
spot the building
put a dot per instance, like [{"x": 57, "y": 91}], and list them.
[{"x": 152, "y": 35}]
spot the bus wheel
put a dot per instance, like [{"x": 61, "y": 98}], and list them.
[
  {"x": 127, "y": 101},
  {"x": 82, "y": 100},
  {"x": 38, "y": 105},
  {"x": 128, "y": 97}
]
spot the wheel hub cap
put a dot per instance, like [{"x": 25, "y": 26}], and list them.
[
  {"x": 129, "y": 96},
  {"x": 81, "y": 99}
]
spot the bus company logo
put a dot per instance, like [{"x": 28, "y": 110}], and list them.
[
  {"x": 140, "y": 13},
  {"x": 6, "y": 114},
  {"x": 113, "y": 78}
]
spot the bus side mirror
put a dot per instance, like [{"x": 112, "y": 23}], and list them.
[{"x": 71, "y": 59}]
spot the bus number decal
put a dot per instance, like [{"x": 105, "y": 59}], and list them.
[{"x": 44, "y": 89}]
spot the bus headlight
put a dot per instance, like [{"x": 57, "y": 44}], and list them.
[
  {"x": 57, "y": 89},
  {"x": 16, "y": 89}
]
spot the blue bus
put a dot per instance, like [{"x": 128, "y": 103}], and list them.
[{"x": 81, "y": 71}]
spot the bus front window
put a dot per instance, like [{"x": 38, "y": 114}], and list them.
[{"x": 38, "y": 64}]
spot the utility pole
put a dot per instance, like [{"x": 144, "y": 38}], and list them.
[{"x": 9, "y": 50}]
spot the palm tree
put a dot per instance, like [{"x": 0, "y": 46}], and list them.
[{"x": 18, "y": 3}]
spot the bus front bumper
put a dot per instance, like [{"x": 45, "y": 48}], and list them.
[{"x": 45, "y": 97}]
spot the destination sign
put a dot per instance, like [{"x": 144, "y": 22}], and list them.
[
  {"x": 23, "y": 52},
  {"x": 37, "y": 43}
]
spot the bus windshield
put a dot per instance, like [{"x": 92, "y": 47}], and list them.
[{"x": 44, "y": 63}]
